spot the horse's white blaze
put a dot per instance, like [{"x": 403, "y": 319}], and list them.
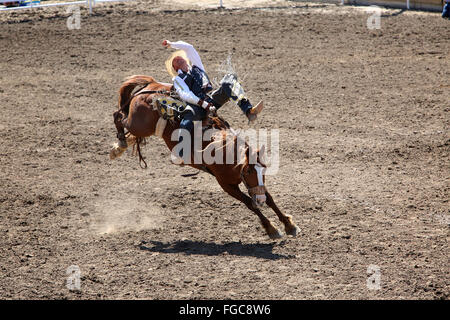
[{"x": 259, "y": 170}]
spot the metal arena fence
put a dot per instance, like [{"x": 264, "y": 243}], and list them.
[
  {"x": 428, "y": 5},
  {"x": 433, "y": 5},
  {"x": 29, "y": 4}
]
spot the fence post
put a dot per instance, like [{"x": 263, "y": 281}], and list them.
[{"x": 90, "y": 5}]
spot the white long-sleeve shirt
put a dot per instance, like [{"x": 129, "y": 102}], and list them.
[
  {"x": 191, "y": 53},
  {"x": 180, "y": 86}
]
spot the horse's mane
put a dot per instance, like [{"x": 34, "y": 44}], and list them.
[
  {"x": 225, "y": 136},
  {"x": 219, "y": 123},
  {"x": 140, "y": 79}
]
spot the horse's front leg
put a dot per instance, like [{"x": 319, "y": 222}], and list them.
[
  {"x": 289, "y": 225},
  {"x": 235, "y": 192}
]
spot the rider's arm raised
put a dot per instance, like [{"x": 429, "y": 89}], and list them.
[{"x": 191, "y": 53}]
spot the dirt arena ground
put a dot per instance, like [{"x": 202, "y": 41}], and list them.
[{"x": 363, "y": 117}]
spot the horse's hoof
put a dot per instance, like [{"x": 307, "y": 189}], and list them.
[
  {"x": 123, "y": 144},
  {"x": 293, "y": 231},
  {"x": 116, "y": 152},
  {"x": 275, "y": 234}
]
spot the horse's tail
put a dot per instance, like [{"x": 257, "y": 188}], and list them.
[{"x": 127, "y": 88}]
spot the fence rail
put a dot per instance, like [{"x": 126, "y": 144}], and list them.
[
  {"x": 407, "y": 4},
  {"x": 89, "y": 3},
  {"x": 431, "y": 5}
]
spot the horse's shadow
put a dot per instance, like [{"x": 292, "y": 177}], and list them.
[{"x": 188, "y": 247}]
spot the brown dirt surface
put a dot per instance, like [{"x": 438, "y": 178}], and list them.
[{"x": 363, "y": 117}]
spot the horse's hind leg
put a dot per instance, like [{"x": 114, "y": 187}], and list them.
[
  {"x": 235, "y": 192},
  {"x": 118, "y": 121},
  {"x": 289, "y": 225},
  {"x": 117, "y": 150}
]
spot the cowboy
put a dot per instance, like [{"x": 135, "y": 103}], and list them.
[{"x": 193, "y": 86}]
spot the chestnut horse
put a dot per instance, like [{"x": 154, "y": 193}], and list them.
[{"x": 138, "y": 115}]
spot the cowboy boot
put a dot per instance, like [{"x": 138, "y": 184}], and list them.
[{"x": 251, "y": 111}]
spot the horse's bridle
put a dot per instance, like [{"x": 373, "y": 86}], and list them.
[{"x": 253, "y": 191}]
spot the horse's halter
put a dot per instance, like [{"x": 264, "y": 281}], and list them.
[{"x": 257, "y": 193}]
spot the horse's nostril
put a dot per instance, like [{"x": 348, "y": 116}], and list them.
[{"x": 261, "y": 198}]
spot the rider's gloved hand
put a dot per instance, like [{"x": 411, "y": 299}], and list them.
[
  {"x": 211, "y": 108},
  {"x": 208, "y": 106}
]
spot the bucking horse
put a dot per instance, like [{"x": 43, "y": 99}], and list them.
[{"x": 142, "y": 114}]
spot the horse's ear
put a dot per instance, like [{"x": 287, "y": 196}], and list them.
[
  {"x": 262, "y": 154},
  {"x": 262, "y": 150}
]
